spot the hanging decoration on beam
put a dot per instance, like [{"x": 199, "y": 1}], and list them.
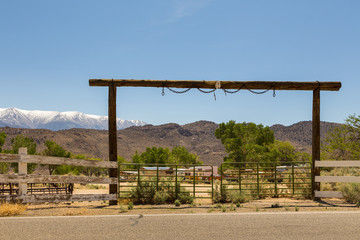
[{"x": 218, "y": 86}]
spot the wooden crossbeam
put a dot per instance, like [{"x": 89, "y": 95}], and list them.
[
  {"x": 31, "y": 178},
  {"x": 54, "y": 198},
  {"x": 255, "y": 85}
]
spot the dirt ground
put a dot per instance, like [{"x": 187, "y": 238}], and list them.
[
  {"x": 264, "y": 205},
  {"x": 199, "y": 206}
]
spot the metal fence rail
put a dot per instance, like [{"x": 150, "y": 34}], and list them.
[
  {"x": 266, "y": 179},
  {"x": 197, "y": 180}
]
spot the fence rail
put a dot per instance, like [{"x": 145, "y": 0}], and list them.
[
  {"x": 23, "y": 178},
  {"x": 335, "y": 179},
  {"x": 266, "y": 179},
  {"x": 195, "y": 179}
]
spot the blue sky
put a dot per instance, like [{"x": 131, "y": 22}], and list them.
[{"x": 50, "y": 49}]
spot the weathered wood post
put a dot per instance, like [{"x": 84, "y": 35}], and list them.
[
  {"x": 112, "y": 139},
  {"x": 22, "y": 166},
  {"x": 315, "y": 139}
]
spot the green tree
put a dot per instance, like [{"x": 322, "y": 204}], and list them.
[
  {"x": 159, "y": 155},
  {"x": 155, "y": 155},
  {"x": 88, "y": 171},
  {"x": 343, "y": 142},
  {"x": 55, "y": 150},
  {"x": 285, "y": 152},
  {"x": 180, "y": 154},
  {"x": 4, "y": 167},
  {"x": 2, "y": 140},
  {"x": 22, "y": 141},
  {"x": 245, "y": 142}
]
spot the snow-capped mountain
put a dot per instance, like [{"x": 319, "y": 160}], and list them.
[{"x": 13, "y": 117}]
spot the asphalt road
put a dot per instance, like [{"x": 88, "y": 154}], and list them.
[{"x": 286, "y": 225}]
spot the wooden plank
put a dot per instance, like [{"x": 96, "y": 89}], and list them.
[
  {"x": 55, "y": 198},
  {"x": 67, "y": 161},
  {"x": 22, "y": 169},
  {"x": 341, "y": 163},
  {"x": 29, "y": 178},
  {"x": 315, "y": 138},
  {"x": 10, "y": 158},
  {"x": 257, "y": 85},
  {"x": 328, "y": 194},
  {"x": 337, "y": 179},
  {"x": 112, "y": 138}
]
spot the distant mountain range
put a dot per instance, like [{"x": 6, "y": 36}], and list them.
[{"x": 17, "y": 118}]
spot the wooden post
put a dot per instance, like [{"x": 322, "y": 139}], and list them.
[
  {"x": 112, "y": 139},
  {"x": 315, "y": 139},
  {"x": 22, "y": 166}
]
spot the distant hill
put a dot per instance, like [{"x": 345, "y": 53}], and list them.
[{"x": 198, "y": 137}]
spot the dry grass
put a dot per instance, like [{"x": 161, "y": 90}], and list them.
[
  {"x": 8, "y": 209},
  {"x": 75, "y": 212}
]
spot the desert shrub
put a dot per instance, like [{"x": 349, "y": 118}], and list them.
[
  {"x": 131, "y": 206},
  {"x": 161, "y": 198},
  {"x": 185, "y": 198},
  {"x": 326, "y": 187},
  {"x": 351, "y": 192},
  {"x": 122, "y": 208},
  {"x": 144, "y": 193},
  {"x": 218, "y": 196},
  {"x": 164, "y": 192},
  {"x": 238, "y": 197}
]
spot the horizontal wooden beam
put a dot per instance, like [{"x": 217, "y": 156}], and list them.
[
  {"x": 10, "y": 158},
  {"x": 337, "y": 179},
  {"x": 29, "y": 178},
  {"x": 55, "y": 198},
  {"x": 355, "y": 163},
  {"x": 328, "y": 194},
  {"x": 255, "y": 85},
  {"x": 67, "y": 161}
]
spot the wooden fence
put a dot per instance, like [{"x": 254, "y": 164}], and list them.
[
  {"x": 22, "y": 178},
  {"x": 335, "y": 179}
]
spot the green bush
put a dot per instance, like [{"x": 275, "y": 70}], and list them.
[
  {"x": 131, "y": 206},
  {"x": 219, "y": 197},
  {"x": 161, "y": 198},
  {"x": 185, "y": 198},
  {"x": 351, "y": 192},
  {"x": 177, "y": 203},
  {"x": 238, "y": 197},
  {"x": 144, "y": 193},
  {"x": 164, "y": 192}
]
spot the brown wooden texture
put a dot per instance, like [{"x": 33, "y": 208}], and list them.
[
  {"x": 342, "y": 163},
  {"x": 257, "y": 85},
  {"x": 29, "y": 178},
  {"x": 112, "y": 138},
  {"x": 42, "y": 198},
  {"x": 337, "y": 179},
  {"x": 65, "y": 161},
  {"x": 315, "y": 138},
  {"x": 10, "y": 158},
  {"x": 328, "y": 194}
]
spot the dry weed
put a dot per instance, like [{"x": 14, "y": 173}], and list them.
[
  {"x": 8, "y": 209},
  {"x": 75, "y": 212}
]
